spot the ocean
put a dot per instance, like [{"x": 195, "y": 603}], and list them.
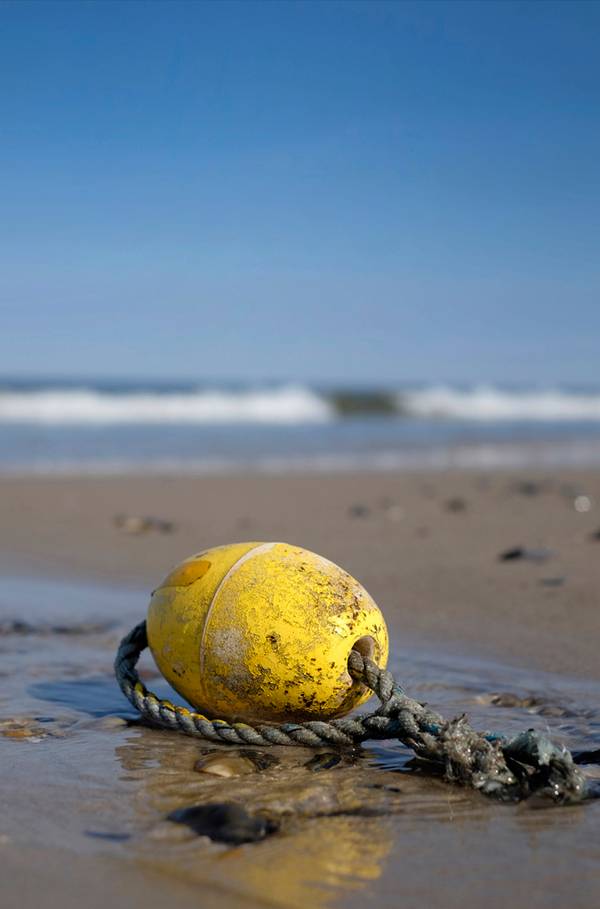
[{"x": 130, "y": 427}]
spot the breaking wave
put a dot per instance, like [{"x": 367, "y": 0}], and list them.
[
  {"x": 72, "y": 405},
  {"x": 486, "y": 403},
  {"x": 81, "y": 406}
]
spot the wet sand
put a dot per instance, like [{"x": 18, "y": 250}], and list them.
[{"x": 86, "y": 791}]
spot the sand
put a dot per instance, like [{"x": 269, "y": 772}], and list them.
[
  {"x": 85, "y": 795},
  {"x": 434, "y": 570}
]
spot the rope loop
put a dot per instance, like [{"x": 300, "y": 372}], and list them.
[{"x": 506, "y": 769}]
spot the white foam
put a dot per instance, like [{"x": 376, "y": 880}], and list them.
[
  {"x": 489, "y": 403},
  {"x": 285, "y": 405}
]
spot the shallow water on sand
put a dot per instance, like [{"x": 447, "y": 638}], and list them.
[{"x": 83, "y": 782}]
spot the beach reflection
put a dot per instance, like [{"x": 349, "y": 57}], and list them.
[{"x": 325, "y": 848}]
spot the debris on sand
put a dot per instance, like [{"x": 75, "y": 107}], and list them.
[
  {"x": 553, "y": 582},
  {"x": 456, "y": 504},
  {"x": 359, "y": 511},
  {"x": 22, "y": 729},
  {"x": 225, "y": 822},
  {"x": 528, "y": 487},
  {"x": 532, "y": 703},
  {"x": 135, "y": 525},
  {"x": 107, "y": 835},
  {"x": 528, "y": 555},
  {"x": 323, "y": 761},
  {"x": 510, "y": 700},
  {"x": 21, "y": 627},
  {"x": 225, "y": 765}
]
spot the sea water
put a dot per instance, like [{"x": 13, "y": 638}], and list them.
[{"x": 108, "y": 427}]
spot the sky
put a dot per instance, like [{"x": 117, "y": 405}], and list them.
[{"x": 327, "y": 191}]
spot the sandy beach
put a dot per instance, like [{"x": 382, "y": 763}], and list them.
[
  {"x": 426, "y": 546},
  {"x": 87, "y": 791}
]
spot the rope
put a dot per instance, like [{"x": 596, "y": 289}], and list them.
[{"x": 507, "y": 769}]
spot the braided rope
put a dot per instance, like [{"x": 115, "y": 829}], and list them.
[{"x": 506, "y": 769}]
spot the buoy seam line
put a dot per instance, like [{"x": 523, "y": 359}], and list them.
[
  {"x": 260, "y": 547},
  {"x": 505, "y": 769}
]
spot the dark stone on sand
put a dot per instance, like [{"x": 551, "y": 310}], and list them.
[
  {"x": 455, "y": 505},
  {"x": 113, "y": 837},
  {"x": 135, "y": 524},
  {"x": 16, "y": 626},
  {"x": 529, "y": 702},
  {"x": 527, "y": 555},
  {"x": 527, "y": 488},
  {"x": 552, "y": 582},
  {"x": 224, "y": 822},
  {"x": 261, "y": 760},
  {"x": 554, "y": 710},
  {"x": 507, "y": 699},
  {"x": 359, "y": 511},
  {"x": 324, "y": 761},
  {"x": 509, "y": 554},
  {"x": 595, "y": 535}
]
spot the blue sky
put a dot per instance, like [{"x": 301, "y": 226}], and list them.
[{"x": 357, "y": 192}]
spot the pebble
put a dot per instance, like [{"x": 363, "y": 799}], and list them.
[
  {"x": 104, "y": 835},
  {"x": 23, "y": 730},
  {"x": 507, "y": 699},
  {"x": 527, "y": 488},
  {"x": 261, "y": 760},
  {"x": 225, "y": 765},
  {"x": 225, "y": 822},
  {"x": 553, "y": 710},
  {"x": 323, "y": 761},
  {"x": 105, "y": 722},
  {"x": 528, "y": 555},
  {"x": 582, "y": 504},
  {"x": 358, "y": 511},
  {"x": 455, "y": 505},
  {"x": 135, "y": 524},
  {"x": 529, "y": 702}
]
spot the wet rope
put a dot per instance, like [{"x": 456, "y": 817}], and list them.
[{"x": 507, "y": 769}]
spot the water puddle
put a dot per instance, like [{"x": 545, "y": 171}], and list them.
[{"x": 85, "y": 777}]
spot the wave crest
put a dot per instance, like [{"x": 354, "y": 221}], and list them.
[
  {"x": 286, "y": 405},
  {"x": 489, "y": 403}
]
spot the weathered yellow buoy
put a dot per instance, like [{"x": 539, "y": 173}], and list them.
[{"x": 263, "y": 631}]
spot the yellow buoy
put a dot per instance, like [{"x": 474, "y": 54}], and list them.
[{"x": 263, "y": 631}]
